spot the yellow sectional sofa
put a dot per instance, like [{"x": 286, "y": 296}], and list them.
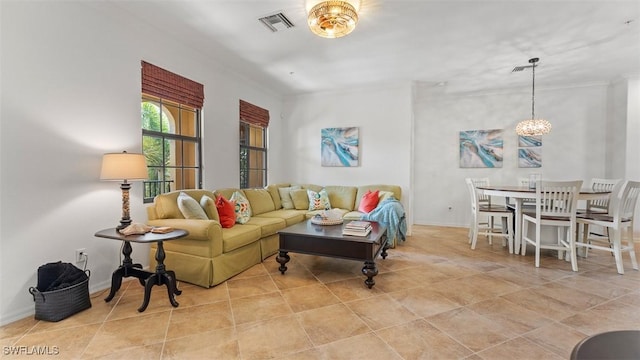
[{"x": 211, "y": 254}]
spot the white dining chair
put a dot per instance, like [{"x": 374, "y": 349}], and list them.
[
  {"x": 555, "y": 206},
  {"x": 492, "y": 212},
  {"x": 483, "y": 201},
  {"x": 601, "y": 206},
  {"x": 618, "y": 222}
]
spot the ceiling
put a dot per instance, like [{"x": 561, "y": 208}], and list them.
[{"x": 460, "y": 46}]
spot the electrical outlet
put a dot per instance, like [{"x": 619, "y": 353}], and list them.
[{"x": 81, "y": 255}]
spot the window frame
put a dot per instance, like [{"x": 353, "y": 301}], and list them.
[
  {"x": 245, "y": 146},
  {"x": 149, "y": 195}
]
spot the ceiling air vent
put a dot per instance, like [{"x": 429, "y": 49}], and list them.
[{"x": 276, "y": 22}]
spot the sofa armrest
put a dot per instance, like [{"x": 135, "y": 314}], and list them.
[{"x": 201, "y": 230}]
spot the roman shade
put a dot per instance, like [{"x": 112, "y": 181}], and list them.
[
  {"x": 164, "y": 84},
  {"x": 254, "y": 115}
]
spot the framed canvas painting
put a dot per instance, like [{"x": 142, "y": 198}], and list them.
[
  {"x": 530, "y": 151},
  {"x": 340, "y": 146},
  {"x": 529, "y": 141},
  {"x": 481, "y": 149},
  {"x": 529, "y": 157}
]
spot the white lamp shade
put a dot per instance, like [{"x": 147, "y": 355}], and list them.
[{"x": 123, "y": 166}]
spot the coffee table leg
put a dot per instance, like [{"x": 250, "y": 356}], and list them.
[
  {"x": 369, "y": 270},
  {"x": 282, "y": 258}
]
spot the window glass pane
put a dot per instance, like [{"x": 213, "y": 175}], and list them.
[
  {"x": 252, "y": 136},
  {"x": 172, "y": 154},
  {"x": 154, "y": 150},
  {"x": 255, "y": 178},
  {"x": 171, "y": 117},
  {"x": 244, "y": 132},
  {"x": 189, "y": 153},
  {"x": 259, "y": 137},
  {"x": 189, "y": 179},
  {"x": 188, "y": 122},
  {"x": 150, "y": 116},
  {"x": 253, "y": 155}
]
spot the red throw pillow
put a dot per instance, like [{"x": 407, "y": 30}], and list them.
[
  {"x": 226, "y": 211},
  {"x": 369, "y": 201}
]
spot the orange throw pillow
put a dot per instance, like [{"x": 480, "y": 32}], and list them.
[
  {"x": 226, "y": 211},
  {"x": 369, "y": 201}
]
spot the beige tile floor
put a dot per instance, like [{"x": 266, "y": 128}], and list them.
[{"x": 434, "y": 298}]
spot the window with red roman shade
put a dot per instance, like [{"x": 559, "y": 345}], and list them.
[{"x": 164, "y": 84}]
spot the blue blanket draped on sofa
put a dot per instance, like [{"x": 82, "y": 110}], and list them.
[{"x": 390, "y": 213}]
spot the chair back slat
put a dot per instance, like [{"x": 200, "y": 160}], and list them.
[
  {"x": 557, "y": 198},
  {"x": 482, "y": 198},
  {"x": 625, "y": 203},
  {"x": 611, "y": 185}
]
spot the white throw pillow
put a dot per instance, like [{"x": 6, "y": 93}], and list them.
[
  {"x": 190, "y": 208},
  {"x": 285, "y": 196}
]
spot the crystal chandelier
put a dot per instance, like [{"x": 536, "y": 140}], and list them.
[
  {"x": 332, "y": 19},
  {"x": 534, "y": 126}
]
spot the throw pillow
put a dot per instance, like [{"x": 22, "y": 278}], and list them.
[
  {"x": 384, "y": 195},
  {"x": 369, "y": 201},
  {"x": 300, "y": 199},
  {"x": 190, "y": 208},
  {"x": 318, "y": 200},
  {"x": 209, "y": 206},
  {"x": 242, "y": 207},
  {"x": 285, "y": 196},
  {"x": 226, "y": 212}
]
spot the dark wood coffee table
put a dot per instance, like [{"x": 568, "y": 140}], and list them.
[{"x": 327, "y": 240}]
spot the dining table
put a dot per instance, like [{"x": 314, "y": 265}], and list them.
[{"x": 520, "y": 193}]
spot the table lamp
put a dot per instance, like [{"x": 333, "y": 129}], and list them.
[{"x": 124, "y": 167}]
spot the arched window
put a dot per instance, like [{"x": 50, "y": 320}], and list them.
[
  {"x": 171, "y": 145},
  {"x": 171, "y": 131}
]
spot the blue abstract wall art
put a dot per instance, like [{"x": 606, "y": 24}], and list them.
[
  {"x": 530, "y": 141},
  {"x": 481, "y": 149},
  {"x": 340, "y": 146},
  {"x": 530, "y": 151},
  {"x": 529, "y": 157}
]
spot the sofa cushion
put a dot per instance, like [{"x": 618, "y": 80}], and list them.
[
  {"x": 209, "y": 206},
  {"x": 343, "y": 197},
  {"x": 369, "y": 201},
  {"x": 239, "y": 236},
  {"x": 300, "y": 199},
  {"x": 273, "y": 191},
  {"x": 227, "y": 192},
  {"x": 285, "y": 196},
  {"x": 261, "y": 201},
  {"x": 291, "y": 217},
  {"x": 318, "y": 200},
  {"x": 268, "y": 226},
  {"x": 190, "y": 208},
  {"x": 167, "y": 206},
  {"x": 226, "y": 212},
  {"x": 242, "y": 207},
  {"x": 313, "y": 187}
]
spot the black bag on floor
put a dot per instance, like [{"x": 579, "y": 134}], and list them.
[{"x": 62, "y": 291}]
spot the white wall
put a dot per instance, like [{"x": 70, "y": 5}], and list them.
[
  {"x": 384, "y": 116},
  {"x": 71, "y": 92},
  {"x": 575, "y": 148}
]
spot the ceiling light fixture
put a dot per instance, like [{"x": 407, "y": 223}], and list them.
[
  {"x": 332, "y": 19},
  {"x": 534, "y": 126}
]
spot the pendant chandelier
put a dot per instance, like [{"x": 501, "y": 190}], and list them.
[
  {"x": 534, "y": 126},
  {"x": 332, "y": 19}
]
